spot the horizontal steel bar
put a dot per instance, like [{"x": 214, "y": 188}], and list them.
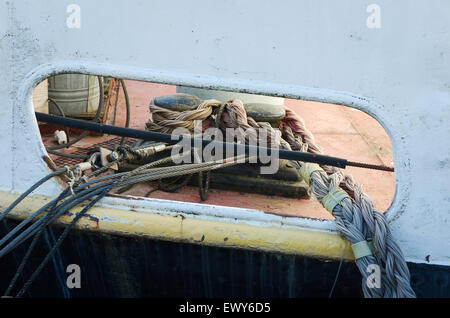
[{"x": 173, "y": 139}]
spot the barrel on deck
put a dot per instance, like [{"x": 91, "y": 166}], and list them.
[{"x": 77, "y": 95}]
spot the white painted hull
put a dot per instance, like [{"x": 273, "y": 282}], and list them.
[{"x": 398, "y": 73}]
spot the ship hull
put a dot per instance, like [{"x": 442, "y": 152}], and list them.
[{"x": 132, "y": 266}]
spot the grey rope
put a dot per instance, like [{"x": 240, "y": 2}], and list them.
[{"x": 356, "y": 219}]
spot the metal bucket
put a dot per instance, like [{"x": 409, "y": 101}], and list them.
[{"x": 77, "y": 94}]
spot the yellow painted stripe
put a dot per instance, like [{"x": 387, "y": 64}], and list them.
[{"x": 194, "y": 230}]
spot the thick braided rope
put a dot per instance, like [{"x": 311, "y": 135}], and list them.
[
  {"x": 355, "y": 217},
  {"x": 233, "y": 116},
  {"x": 165, "y": 120},
  {"x": 321, "y": 185},
  {"x": 298, "y": 131},
  {"x": 349, "y": 222}
]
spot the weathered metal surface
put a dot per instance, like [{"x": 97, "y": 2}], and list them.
[
  {"x": 397, "y": 73},
  {"x": 268, "y": 186},
  {"x": 270, "y": 113},
  {"x": 190, "y": 222},
  {"x": 225, "y": 95},
  {"x": 178, "y": 102}
]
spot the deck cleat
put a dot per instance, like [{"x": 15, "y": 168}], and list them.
[
  {"x": 270, "y": 113},
  {"x": 177, "y": 102},
  {"x": 260, "y": 112}
]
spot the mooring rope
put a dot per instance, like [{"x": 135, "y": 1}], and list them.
[
  {"x": 230, "y": 114},
  {"x": 355, "y": 216},
  {"x": 166, "y": 121}
]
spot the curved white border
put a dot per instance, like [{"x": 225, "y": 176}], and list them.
[{"x": 246, "y": 86}]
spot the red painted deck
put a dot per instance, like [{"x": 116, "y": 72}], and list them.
[{"x": 340, "y": 131}]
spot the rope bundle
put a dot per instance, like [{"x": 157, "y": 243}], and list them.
[
  {"x": 354, "y": 213},
  {"x": 166, "y": 121},
  {"x": 355, "y": 217},
  {"x": 232, "y": 115}
]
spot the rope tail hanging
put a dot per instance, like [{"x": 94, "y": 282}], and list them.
[{"x": 355, "y": 216}]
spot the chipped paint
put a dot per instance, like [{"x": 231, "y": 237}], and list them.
[{"x": 199, "y": 229}]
